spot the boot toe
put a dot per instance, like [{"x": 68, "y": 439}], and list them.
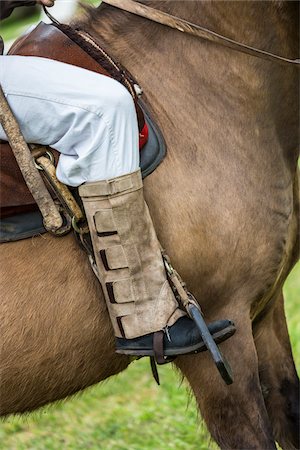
[{"x": 185, "y": 333}]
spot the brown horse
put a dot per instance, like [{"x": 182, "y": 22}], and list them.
[{"x": 225, "y": 206}]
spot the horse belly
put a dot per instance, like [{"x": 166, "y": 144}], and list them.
[{"x": 56, "y": 337}]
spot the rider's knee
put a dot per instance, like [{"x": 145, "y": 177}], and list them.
[{"x": 118, "y": 101}]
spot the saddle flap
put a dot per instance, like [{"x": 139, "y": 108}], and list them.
[
  {"x": 14, "y": 191},
  {"x": 47, "y": 41}
]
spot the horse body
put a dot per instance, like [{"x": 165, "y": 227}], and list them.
[{"x": 225, "y": 206}]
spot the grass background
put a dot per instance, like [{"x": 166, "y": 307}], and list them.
[{"x": 129, "y": 412}]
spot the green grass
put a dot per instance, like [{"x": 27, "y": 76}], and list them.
[
  {"x": 129, "y": 412},
  {"x": 22, "y": 18},
  {"x": 292, "y": 308}
]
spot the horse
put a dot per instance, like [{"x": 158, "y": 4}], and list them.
[{"x": 225, "y": 204}]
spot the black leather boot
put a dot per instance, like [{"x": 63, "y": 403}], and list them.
[{"x": 179, "y": 339}]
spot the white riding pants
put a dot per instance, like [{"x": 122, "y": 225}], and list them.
[{"x": 89, "y": 118}]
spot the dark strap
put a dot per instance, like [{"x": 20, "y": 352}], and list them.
[
  {"x": 154, "y": 370},
  {"x": 158, "y": 347}
]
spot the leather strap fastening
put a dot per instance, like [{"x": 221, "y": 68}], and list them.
[{"x": 122, "y": 184}]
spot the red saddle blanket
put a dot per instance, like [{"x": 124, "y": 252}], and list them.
[{"x": 46, "y": 41}]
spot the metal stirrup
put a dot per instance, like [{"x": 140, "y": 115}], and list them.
[{"x": 194, "y": 311}]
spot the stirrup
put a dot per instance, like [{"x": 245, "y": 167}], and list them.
[{"x": 194, "y": 311}]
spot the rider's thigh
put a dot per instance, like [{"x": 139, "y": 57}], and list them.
[{"x": 88, "y": 117}]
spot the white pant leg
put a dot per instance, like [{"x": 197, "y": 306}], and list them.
[{"x": 89, "y": 118}]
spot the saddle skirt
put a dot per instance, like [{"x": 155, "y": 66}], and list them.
[{"x": 15, "y": 196}]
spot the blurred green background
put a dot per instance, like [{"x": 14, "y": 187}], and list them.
[{"x": 129, "y": 411}]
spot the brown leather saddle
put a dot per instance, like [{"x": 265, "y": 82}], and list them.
[{"x": 47, "y": 41}]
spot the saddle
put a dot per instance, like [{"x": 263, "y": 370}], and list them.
[{"x": 16, "y": 200}]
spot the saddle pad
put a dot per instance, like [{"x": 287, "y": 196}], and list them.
[{"x": 21, "y": 226}]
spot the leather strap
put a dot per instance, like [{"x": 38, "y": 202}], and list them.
[
  {"x": 132, "y": 182},
  {"x": 196, "y": 30},
  {"x": 158, "y": 347},
  {"x": 51, "y": 216},
  {"x": 154, "y": 370}
]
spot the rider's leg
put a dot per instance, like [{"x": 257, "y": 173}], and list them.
[
  {"x": 91, "y": 120},
  {"x": 138, "y": 295},
  {"x": 76, "y": 112}
]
